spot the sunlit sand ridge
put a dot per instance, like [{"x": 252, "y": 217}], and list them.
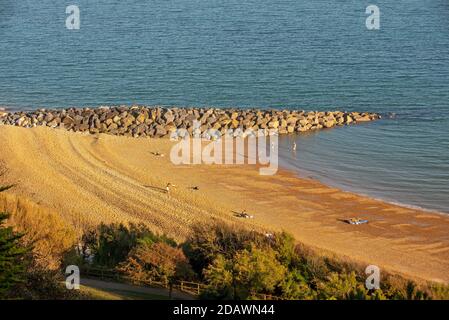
[{"x": 120, "y": 179}]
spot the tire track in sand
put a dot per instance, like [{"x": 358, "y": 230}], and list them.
[{"x": 80, "y": 169}]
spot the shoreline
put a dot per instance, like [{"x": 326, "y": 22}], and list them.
[
  {"x": 109, "y": 178},
  {"x": 303, "y": 175}
]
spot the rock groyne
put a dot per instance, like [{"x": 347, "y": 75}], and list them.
[{"x": 161, "y": 121}]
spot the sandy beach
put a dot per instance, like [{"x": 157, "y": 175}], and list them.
[{"x": 103, "y": 178}]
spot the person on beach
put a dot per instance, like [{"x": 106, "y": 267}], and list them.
[
  {"x": 167, "y": 188},
  {"x": 245, "y": 215}
]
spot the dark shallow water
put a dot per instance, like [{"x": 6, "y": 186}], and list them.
[
  {"x": 284, "y": 54},
  {"x": 402, "y": 161}
]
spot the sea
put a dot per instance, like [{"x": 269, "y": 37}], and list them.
[{"x": 283, "y": 54}]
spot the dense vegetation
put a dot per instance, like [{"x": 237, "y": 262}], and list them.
[
  {"x": 27, "y": 258},
  {"x": 235, "y": 263},
  {"x": 12, "y": 264},
  {"x": 230, "y": 262}
]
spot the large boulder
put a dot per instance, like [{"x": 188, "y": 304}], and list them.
[
  {"x": 274, "y": 124},
  {"x": 169, "y": 117}
]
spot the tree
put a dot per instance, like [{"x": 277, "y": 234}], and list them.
[
  {"x": 285, "y": 247},
  {"x": 111, "y": 244},
  {"x": 220, "y": 279},
  {"x": 208, "y": 241},
  {"x": 158, "y": 262},
  {"x": 257, "y": 271},
  {"x": 22, "y": 274},
  {"x": 343, "y": 287},
  {"x": 12, "y": 258},
  {"x": 250, "y": 271},
  {"x": 294, "y": 286}
]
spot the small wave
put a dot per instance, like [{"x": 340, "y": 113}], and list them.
[
  {"x": 333, "y": 183},
  {"x": 401, "y": 204}
]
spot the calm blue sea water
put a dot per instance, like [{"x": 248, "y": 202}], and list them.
[{"x": 267, "y": 53}]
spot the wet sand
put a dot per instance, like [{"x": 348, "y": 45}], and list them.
[{"x": 109, "y": 179}]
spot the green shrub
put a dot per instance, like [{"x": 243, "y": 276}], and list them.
[
  {"x": 43, "y": 229},
  {"x": 13, "y": 260},
  {"x": 111, "y": 244},
  {"x": 43, "y": 284},
  {"x": 156, "y": 261},
  {"x": 207, "y": 242},
  {"x": 294, "y": 286},
  {"x": 342, "y": 287},
  {"x": 249, "y": 272}
]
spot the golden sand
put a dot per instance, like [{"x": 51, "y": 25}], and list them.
[{"x": 110, "y": 179}]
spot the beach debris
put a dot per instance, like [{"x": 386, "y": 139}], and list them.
[
  {"x": 158, "y": 154},
  {"x": 244, "y": 215},
  {"x": 196, "y": 188},
  {"x": 356, "y": 221}
]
